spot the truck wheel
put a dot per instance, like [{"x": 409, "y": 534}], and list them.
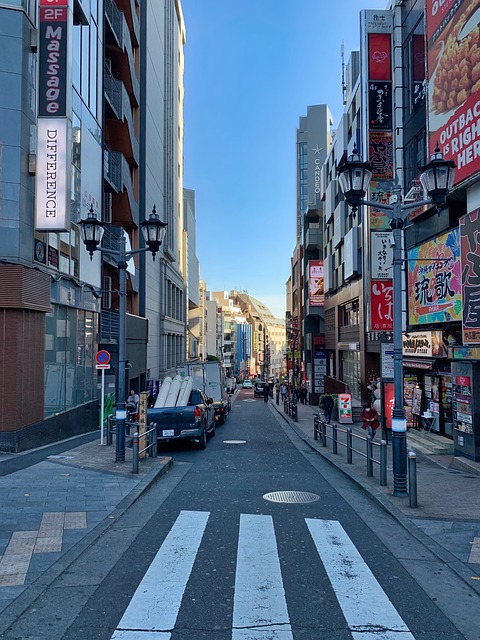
[{"x": 203, "y": 440}]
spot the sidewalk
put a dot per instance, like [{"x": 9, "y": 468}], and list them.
[
  {"x": 447, "y": 519},
  {"x": 50, "y": 506}
]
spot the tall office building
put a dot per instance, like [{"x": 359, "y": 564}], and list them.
[{"x": 95, "y": 127}]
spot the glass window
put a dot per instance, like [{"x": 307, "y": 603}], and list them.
[
  {"x": 70, "y": 374},
  {"x": 351, "y": 372}
]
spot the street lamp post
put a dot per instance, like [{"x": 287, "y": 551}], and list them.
[
  {"x": 294, "y": 333},
  {"x": 437, "y": 179},
  {"x": 92, "y": 231}
]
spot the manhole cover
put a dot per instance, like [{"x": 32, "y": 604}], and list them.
[
  {"x": 234, "y": 442},
  {"x": 292, "y": 497}
]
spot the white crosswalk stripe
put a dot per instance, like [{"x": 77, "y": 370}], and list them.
[
  {"x": 260, "y": 604},
  {"x": 259, "y": 609},
  {"x": 153, "y": 610},
  {"x": 367, "y": 610}
]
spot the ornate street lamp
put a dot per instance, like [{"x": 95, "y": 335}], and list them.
[
  {"x": 437, "y": 179},
  {"x": 153, "y": 231}
]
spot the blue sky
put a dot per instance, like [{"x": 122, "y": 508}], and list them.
[{"x": 251, "y": 69}]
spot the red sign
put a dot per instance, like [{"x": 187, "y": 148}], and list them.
[
  {"x": 382, "y": 305},
  {"x": 379, "y": 56},
  {"x": 102, "y": 357},
  {"x": 388, "y": 398}
]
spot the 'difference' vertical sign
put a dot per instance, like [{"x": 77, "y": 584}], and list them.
[{"x": 51, "y": 205}]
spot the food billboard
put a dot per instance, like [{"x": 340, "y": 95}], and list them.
[{"x": 453, "y": 77}]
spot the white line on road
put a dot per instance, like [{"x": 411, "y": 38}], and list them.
[
  {"x": 367, "y": 609},
  {"x": 259, "y": 608},
  {"x": 154, "y": 608}
]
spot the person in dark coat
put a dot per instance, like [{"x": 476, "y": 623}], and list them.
[
  {"x": 328, "y": 408},
  {"x": 266, "y": 392}
]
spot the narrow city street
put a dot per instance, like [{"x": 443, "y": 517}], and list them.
[{"x": 255, "y": 538}]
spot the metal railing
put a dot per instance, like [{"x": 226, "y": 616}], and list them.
[
  {"x": 321, "y": 432},
  {"x": 151, "y": 436}
]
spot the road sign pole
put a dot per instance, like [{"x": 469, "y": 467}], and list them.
[{"x": 102, "y": 408}]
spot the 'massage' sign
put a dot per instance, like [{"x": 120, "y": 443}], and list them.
[{"x": 52, "y": 88}]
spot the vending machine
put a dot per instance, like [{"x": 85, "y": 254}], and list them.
[{"x": 466, "y": 409}]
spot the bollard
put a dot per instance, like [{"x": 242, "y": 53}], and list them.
[
  {"x": 412, "y": 479},
  {"x": 383, "y": 463},
  {"x": 109, "y": 430},
  {"x": 334, "y": 438},
  {"x": 295, "y": 412},
  {"x": 369, "y": 457},
  {"x": 324, "y": 434},
  {"x": 135, "y": 452},
  {"x": 315, "y": 427},
  {"x": 154, "y": 447},
  {"x": 349, "y": 445}
]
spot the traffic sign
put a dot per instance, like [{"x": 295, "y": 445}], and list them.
[
  {"x": 102, "y": 357},
  {"x": 102, "y": 366}
]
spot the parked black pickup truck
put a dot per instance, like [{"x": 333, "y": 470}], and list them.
[{"x": 193, "y": 422}]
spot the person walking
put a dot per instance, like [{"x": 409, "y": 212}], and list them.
[
  {"x": 266, "y": 391},
  {"x": 328, "y": 408},
  {"x": 284, "y": 392},
  {"x": 369, "y": 415},
  {"x": 277, "y": 392}
]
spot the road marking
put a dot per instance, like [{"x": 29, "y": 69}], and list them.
[
  {"x": 474, "y": 557},
  {"x": 368, "y": 611},
  {"x": 154, "y": 608},
  {"x": 259, "y": 608}
]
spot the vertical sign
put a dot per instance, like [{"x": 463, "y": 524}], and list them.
[
  {"x": 470, "y": 261},
  {"x": 53, "y": 139},
  {"x": 377, "y": 27},
  {"x": 53, "y": 58},
  {"x": 316, "y": 295}
]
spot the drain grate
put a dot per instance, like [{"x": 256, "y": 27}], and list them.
[
  {"x": 234, "y": 442},
  {"x": 291, "y": 497}
]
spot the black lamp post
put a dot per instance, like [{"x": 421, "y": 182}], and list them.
[
  {"x": 437, "y": 179},
  {"x": 153, "y": 231}
]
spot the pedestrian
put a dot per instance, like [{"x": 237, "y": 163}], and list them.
[
  {"x": 277, "y": 392},
  {"x": 369, "y": 415},
  {"x": 328, "y": 408},
  {"x": 133, "y": 400},
  {"x": 284, "y": 391},
  {"x": 266, "y": 391},
  {"x": 303, "y": 394}
]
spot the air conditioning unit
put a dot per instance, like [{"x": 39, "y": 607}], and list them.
[
  {"x": 107, "y": 207},
  {"x": 107, "y": 293}
]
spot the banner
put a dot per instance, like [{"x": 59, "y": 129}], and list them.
[
  {"x": 435, "y": 280},
  {"x": 382, "y": 305},
  {"x": 316, "y": 296},
  {"x": 470, "y": 261}
]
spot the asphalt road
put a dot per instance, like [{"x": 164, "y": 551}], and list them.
[{"x": 212, "y": 558}]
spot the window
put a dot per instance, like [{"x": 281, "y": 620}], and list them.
[{"x": 350, "y": 314}]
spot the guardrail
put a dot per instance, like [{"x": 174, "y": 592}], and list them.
[
  {"x": 320, "y": 431},
  {"x": 151, "y": 436}
]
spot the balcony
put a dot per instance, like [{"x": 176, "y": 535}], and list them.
[
  {"x": 114, "y": 18},
  {"x": 112, "y": 163},
  {"x": 120, "y": 127}
]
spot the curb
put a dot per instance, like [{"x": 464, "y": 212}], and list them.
[
  {"x": 18, "y": 607},
  {"x": 462, "y": 570}
]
